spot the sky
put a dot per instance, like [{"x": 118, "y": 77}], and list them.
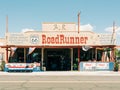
[{"x": 96, "y": 15}]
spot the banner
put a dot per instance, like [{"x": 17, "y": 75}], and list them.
[
  {"x": 13, "y": 49},
  {"x": 31, "y": 49},
  {"x": 96, "y": 66}
]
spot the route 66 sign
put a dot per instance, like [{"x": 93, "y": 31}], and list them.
[{"x": 34, "y": 39}]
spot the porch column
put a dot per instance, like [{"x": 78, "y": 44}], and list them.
[
  {"x": 103, "y": 57},
  {"x": 71, "y": 59},
  {"x": 96, "y": 54},
  {"x": 6, "y": 55},
  {"x": 42, "y": 57},
  {"x": 78, "y": 58},
  {"x": 113, "y": 53},
  {"x": 24, "y": 55}
]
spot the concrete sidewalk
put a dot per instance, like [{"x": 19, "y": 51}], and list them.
[{"x": 65, "y": 73}]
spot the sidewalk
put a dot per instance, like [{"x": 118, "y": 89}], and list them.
[{"x": 65, "y": 73}]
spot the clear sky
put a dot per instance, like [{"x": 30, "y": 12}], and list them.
[{"x": 29, "y": 14}]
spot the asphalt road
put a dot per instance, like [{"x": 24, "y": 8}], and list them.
[{"x": 58, "y": 82}]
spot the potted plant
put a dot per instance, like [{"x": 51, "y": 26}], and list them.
[
  {"x": 75, "y": 67},
  {"x": 116, "y": 66},
  {"x": 2, "y": 65}
]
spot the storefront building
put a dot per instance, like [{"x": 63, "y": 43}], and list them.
[{"x": 58, "y": 47}]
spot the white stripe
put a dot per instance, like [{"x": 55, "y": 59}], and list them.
[{"x": 60, "y": 81}]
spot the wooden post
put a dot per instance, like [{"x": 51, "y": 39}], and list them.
[
  {"x": 42, "y": 58},
  {"x": 78, "y": 58},
  {"x": 113, "y": 51},
  {"x": 24, "y": 55},
  {"x": 96, "y": 54},
  {"x": 7, "y": 55},
  {"x": 71, "y": 59},
  {"x": 6, "y": 39},
  {"x": 78, "y": 22},
  {"x": 6, "y": 24},
  {"x": 78, "y": 33}
]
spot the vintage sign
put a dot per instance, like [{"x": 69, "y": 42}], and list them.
[
  {"x": 59, "y": 27},
  {"x": 89, "y": 66},
  {"x": 95, "y": 66},
  {"x": 18, "y": 39},
  {"x": 22, "y": 67},
  {"x": 34, "y": 39},
  {"x": 59, "y": 39},
  {"x": 102, "y": 65},
  {"x": 107, "y": 39}
]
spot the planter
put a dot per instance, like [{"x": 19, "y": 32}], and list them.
[
  {"x": 2, "y": 65},
  {"x": 0, "y": 68},
  {"x": 116, "y": 66}
]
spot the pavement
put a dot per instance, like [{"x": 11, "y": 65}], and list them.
[{"x": 65, "y": 73}]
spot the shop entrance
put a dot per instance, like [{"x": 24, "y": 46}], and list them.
[{"x": 57, "y": 59}]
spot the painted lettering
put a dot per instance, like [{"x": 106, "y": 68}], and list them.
[{"x": 62, "y": 39}]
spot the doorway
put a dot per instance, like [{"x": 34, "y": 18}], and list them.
[{"x": 57, "y": 59}]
